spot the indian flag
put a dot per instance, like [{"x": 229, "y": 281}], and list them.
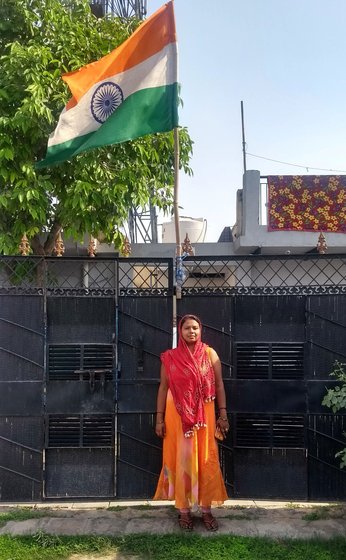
[{"x": 128, "y": 93}]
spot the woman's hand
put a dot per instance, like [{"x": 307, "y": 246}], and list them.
[
  {"x": 223, "y": 425},
  {"x": 222, "y": 421},
  {"x": 160, "y": 429}
]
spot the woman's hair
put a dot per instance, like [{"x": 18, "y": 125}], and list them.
[{"x": 192, "y": 317}]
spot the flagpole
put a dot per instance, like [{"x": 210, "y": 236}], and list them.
[
  {"x": 179, "y": 267},
  {"x": 243, "y": 135}
]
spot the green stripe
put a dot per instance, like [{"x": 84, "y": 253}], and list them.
[{"x": 144, "y": 112}]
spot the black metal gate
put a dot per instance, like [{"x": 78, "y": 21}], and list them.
[
  {"x": 80, "y": 379},
  {"x": 80, "y": 341},
  {"x": 278, "y": 324},
  {"x": 145, "y": 330},
  {"x": 80, "y": 344},
  {"x": 21, "y": 395}
]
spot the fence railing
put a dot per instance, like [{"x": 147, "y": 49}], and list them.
[{"x": 307, "y": 274}]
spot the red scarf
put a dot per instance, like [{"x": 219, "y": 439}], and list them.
[{"x": 191, "y": 380}]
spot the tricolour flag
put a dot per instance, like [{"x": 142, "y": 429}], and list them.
[{"x": 128, "y": 93}]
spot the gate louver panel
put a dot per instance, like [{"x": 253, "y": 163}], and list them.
[
  {"x": 63, "y": 362},
  {"x": 252, "y": 361},
  {"x": 66, "y": 362},
  {"x": 64, "y": 431},
  {"x": 94, "y": 430},
  {"x": 98, "y": 431},
  {"x": 288, "y": 431},
  {"x": 266, "y": 430},
  {"x": 270, "y": 360},
  {"x": 287, "y": 361},
  {"x": 253, "y": 431},
  {"x": 98, "y": 356}
]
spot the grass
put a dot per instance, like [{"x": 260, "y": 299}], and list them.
[
  {"x": 140, "y": 507},
  {"x": 22, "y": 514},
  {"x": 326, "y": 512},
  {"x": 171, "y": 547}
]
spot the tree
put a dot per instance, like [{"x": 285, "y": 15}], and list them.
[
  {"x": 39, "y": 41},
  {"x": 336, "y": 399}
]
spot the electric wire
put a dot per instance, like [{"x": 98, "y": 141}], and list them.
[{"x": 307, "y": 167}]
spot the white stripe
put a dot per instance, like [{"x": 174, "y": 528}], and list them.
[{"x": 157, "y": 70}]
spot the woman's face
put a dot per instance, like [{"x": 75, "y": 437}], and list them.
[{"x": 190, "y": 331}]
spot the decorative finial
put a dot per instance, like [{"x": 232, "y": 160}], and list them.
[
  {"x": 321, "y": 244},
  {"x": 24, "y": 246},
  {"x": 187, "y": 247},
  {"x": 59, "y": 247},
  {"x": 92, "y": 247},
  {"x": 126, "y": 248}
]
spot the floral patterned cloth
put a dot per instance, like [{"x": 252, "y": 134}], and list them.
[{"x": 307, "y": 203}]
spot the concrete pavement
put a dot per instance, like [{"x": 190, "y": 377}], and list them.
[{"x": 241, "y": 517}]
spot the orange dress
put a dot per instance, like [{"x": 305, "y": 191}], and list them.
[{"x": 191, "y": 473}]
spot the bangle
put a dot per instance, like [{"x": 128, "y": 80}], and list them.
[
  {"x": 223, "y": 419},
  {"x": 222, "y": 408},
  {"x": 160, "y": 422},
  {"x": 159, "y": 412}
]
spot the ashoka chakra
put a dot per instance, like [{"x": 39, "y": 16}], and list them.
[{"x": 106, "y": 98}]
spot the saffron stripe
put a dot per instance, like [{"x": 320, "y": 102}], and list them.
[{"x": 149, "y": 38}]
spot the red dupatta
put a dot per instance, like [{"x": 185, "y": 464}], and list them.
[{"x": 191, "y": 380}]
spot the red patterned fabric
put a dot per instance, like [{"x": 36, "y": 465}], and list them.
[
  {"x": 307, "y": 203},
  {"x": 191, "y": 381}
]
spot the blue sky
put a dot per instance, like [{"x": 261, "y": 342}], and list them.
[{"x": 286, "y": 60}]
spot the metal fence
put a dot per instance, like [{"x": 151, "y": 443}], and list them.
[{"x": 80, "y": 344}]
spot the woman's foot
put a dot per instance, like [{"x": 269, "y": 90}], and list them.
[
  {"x": 185, "y": 521},
  {"x": 209, "y": 521}
]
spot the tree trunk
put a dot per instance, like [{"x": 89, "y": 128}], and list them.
[
  {"x": 51, "y": 238},
  {"x": 37, "y": 246},
  {"x": 46, "y": 249}
]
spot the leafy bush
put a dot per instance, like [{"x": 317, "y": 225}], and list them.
[{"x": 336, "y": 400}]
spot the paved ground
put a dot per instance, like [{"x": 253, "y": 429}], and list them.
[{"x": 251, "y": 518}]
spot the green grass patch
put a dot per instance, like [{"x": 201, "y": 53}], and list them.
[
  {"x": 326, "y": 512},
  {"x": 22, "y": 514},
  {"x": 177, "y": 547}
]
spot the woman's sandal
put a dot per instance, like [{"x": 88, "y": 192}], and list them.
[
  {"x": 209, "y": 521},
  {"x": 185, "y": 521}
]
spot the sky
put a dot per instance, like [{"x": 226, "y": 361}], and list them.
[{"x": 285, "y": 59}]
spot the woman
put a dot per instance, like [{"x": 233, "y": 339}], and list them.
[{"x": 190, "y": 380}]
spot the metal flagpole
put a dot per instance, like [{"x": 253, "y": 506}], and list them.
[
  {"x": 243, "y": 135},
  {"x": 179, "y": 272},
  {"x": 179, "y": 275}
]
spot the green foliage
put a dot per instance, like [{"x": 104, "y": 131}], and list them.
[
  {"x": 22, "y": 514},
  {"x": 39, "y": 41},
  {"x": 325, "y": 512},
  {"x": 336, "y": 400},
  {"x": 179, "y": 547}
]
